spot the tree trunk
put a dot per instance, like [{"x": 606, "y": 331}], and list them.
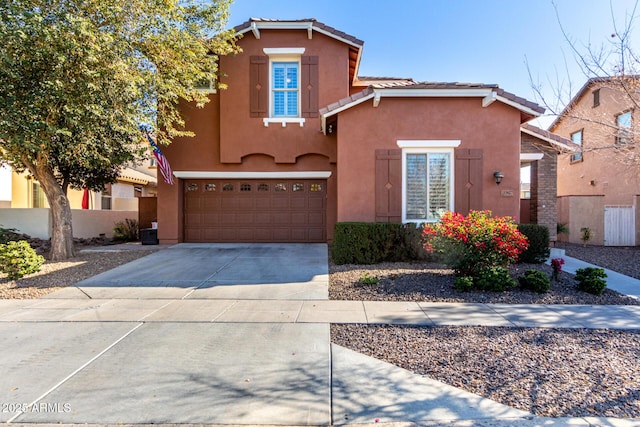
[{"x": 61, "y": 227}]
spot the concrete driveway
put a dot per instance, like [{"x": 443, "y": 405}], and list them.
[{"x": 139, "y": 345}]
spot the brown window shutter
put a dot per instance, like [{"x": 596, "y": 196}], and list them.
[
  {"x": 468, "y": 180},
  {"x": 259, "y": 86},
  {"x": 388, "y": 185},
  {"x": 309, "y": 86}
]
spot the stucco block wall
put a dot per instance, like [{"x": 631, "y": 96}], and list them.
[
  {"x": 36, "y": 222},
  {"x": 578, "y": 212}
]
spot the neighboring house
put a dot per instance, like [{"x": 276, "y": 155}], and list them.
[
  {"x": 599, "y": 185},
  {"x": 298, "y": 142},
  {"x": 133, "y": 182}
]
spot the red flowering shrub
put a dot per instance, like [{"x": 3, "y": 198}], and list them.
[{"x": 475, "y": 243}]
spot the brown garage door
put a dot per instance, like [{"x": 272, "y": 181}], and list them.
[{"x": 255, "y": 210}]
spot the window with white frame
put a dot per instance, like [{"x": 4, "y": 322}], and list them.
[
  {"x": 623, "y": 122},
  {"x": 285, "y": 89},
  {"x": 428, "y": 180},
  {"x": 576, "y": 138}
]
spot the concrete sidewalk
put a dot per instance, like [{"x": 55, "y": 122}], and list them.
[
  {"x": 56, "y": 309},
  {"x": 239, "y": 334},
  {"x": 618, "y": 282}
]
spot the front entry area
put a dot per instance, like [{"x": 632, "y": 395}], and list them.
[{"x": 255, "y": 210}]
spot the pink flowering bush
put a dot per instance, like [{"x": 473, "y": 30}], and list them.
[
  {"x": 556, "y": 264},
  {"x": 476, "y": 243}
]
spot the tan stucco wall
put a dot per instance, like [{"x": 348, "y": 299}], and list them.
[
  {"x": 578, "y": 212},
  {"x": 603, "y": 171},
  {"x": 86, "y": 223},
  {"x": 364, "y": 128}
]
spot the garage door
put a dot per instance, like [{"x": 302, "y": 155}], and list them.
[{"x": 255, "y": 210}]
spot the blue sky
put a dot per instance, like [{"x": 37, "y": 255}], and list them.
[{"x": 480, "y": 41}]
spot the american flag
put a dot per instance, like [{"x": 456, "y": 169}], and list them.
[{"x": 163, "y": 163}]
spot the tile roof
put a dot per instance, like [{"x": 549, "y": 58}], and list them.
[
  {"x": 557, "y": 141},
  {"x": 519, "y": 101},
  {"x": 315, "y": 23},
  {"x": 380, "y": 82}
]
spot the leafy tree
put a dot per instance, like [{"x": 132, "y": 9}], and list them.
[{"x": 78, "y": 78}]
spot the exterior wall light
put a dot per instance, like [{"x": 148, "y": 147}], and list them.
[{"x": 498, "y": 177}]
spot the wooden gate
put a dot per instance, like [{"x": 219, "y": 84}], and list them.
[{"x": 619, "y": 226}]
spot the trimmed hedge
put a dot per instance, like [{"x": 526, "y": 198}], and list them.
[
  {"x": 373, "y": 242},
  {"x": 538, "y": 236}
]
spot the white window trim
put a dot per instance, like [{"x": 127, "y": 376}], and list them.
[
  {"x": 251, "y": 175},
  {"x": 426, "y": 147},
  {"x": 284, "y": 54},
  {"x": 283, "y": 121}
]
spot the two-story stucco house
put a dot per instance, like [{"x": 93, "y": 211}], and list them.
[
  {"x": 298, "y": 141},
  {"x": 599, "y": 185}
]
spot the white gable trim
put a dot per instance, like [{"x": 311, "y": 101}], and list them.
[
  {"x": 255, "y": 28},
  {"x": 251, "y": 175},
  {"x": 530, "y": 157}
]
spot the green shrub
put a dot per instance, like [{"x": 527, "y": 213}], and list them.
[
  {"x": 536, "y": 281},
  {"x": 494, "y": 279},
  {"x": 8, "y": 235},
  {"x": 538, "y": 250},
  {"x": 18, "y": 259},
  {"x": 126, "y": 231},
  {"x": 463, "y": 283},
  {"x": 373, "y": 242},
  {"x": 368, "y": 279},
  {"x": 476, "y": 242},
  {"x": 591, "y": 280}
]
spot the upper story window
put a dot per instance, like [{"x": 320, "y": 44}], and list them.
[
  {"x": 284, "y": 86},
  {"x": 576, "y": 138},
  {"x": 596, "y": 97},
  {"x": 285, "y": 93},
  {"x": 623, "y": 122}
]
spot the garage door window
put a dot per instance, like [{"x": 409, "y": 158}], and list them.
[
  {"x": 245, "y": 187},
  {"x": 316, "y": 187},
  {"x": 227, "y": 187},
  {"x": 298, "y": 187},
  {"x": 263, "y": 187},
  {"x": 209, "y": 187},
  {"x": 192, "y": 187},
  {"x": 281, "y": 187}
]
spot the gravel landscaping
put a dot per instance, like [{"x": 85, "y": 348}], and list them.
[
  {"x": 548, "y": 372},
  {"x": 57, "y": 275}
]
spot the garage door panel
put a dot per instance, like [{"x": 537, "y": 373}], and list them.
[
  {"x": 299, "y": 218},
  {"x": 228, "y": 218},
  {"x": 255, "y": 211},
  {"x": 316, "y": 203},
  {"x": 282, "y": 234},
  {"x": 281, "y": 217},
  {"x": 316, "y": 218},
  {"x": 298, "y": 202}
]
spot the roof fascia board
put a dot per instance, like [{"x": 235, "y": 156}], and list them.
[
  {"x": 518, "y": 106},
  {"x": 323, "y": 117},
  {"x": 327, "y": 33},
  {"x": 531, "y": 157},
  {"x": 255, "y": 27},
  {"x": 553, "y": 142},
  {"x": 432, "y": 93}
]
